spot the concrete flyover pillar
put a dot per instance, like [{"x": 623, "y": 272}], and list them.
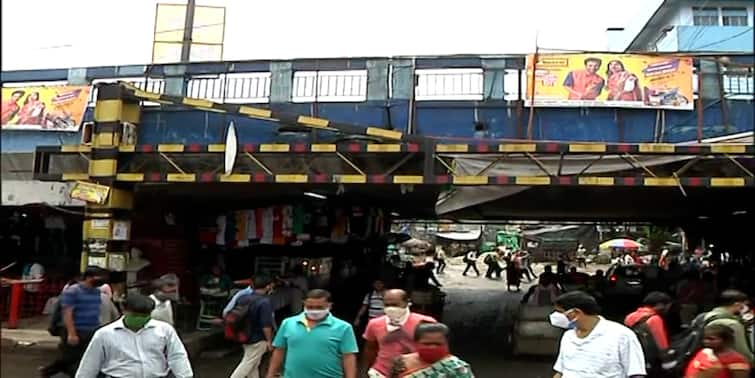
[{"x": 107, "y": 225}]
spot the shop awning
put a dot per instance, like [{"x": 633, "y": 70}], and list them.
[{"x": 460, "y": 236}]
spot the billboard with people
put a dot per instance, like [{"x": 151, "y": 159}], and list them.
[
  {"x": 52, "y": 108},
  {"x": 610, "y": 80}
]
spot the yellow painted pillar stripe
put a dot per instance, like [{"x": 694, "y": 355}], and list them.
[
  {"x": 103, "y": 167},
  {"x": 383, "y": 133},
  {"x": 317, "y": 123}
]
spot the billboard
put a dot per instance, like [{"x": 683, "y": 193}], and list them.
[
  {"x": 610, "y": 80},
  {"x": 208, "y": 33},
  {"x": 53, "y": 108}
]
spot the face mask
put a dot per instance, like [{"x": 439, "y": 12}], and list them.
[
  {"x": 98, "y": 282},
  {"x": 432, "y": 354},
  {"x": 166, "y": 296},
  {"x": 316, "y": 314},
  {"x": 396, "y": 315},
  {"x": 560, "y": 320},
  {"x": 746, "y": 314},
  {"x": 135, "y": 322}
]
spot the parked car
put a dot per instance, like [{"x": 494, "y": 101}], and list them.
[{"x": 629, "y": 280}]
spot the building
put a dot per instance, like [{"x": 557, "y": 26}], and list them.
[{"x": 698, "y": 26}]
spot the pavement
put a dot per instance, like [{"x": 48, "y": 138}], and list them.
[{"x": 477, "y": 310}]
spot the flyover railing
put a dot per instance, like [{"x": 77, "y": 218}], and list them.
[{"x": 346, "y": 80}]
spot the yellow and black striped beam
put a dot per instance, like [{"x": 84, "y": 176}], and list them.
[
  {"x": 263, "y": 114},
  {"x": 403, "y": 147},
  {"x": 303, "y": 178}
]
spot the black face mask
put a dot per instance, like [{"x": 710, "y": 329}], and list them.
[{"x": 98, "y": 282}]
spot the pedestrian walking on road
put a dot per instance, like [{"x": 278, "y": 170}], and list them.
[
  {"x": 136, "y": 346},
  {"x": 372, "y": 304},
  {"x": 440, "y": 259},
  {"x": 391, "y": 335},
  {"x": 314, "y": 344},
  {"x": 81, "y": 305},
  {"x": 593, "y": 347},
  {"x": 260, "y": 323},
  {"x": 471, "y": 260},
  {"x": 492, "y": 260},
  {"x": 513, "y": 273}
]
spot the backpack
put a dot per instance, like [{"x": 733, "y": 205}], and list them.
[
  {"x": 56, "y": 325},
  {"x": 237, "y": 324},
  {"x": 489, "y": 260},
  {"x": 649, "y": 345},
  {"x": 470, "y": 257},
  {"x": 684, "y": 346}
]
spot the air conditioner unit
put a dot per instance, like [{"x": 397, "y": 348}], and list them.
[{"x": 128, "y": 136}]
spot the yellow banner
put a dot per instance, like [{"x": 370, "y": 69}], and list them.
[
  {"x": 610, "y": 80},
  {"x": 54, "y": 108},
  {"x": 90, "y": 192}
]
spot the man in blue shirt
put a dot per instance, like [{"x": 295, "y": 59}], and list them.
[
  {"x": 315, "y": 344},
  {"x": 80, "y": 304},
  {"x": 260, "y": 317},
  {"x": 244, "y": 292}
]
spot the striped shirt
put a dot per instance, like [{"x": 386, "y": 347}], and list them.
[
  {"x": 85, "y": 302},
  {"x": 374, "y": 303}
]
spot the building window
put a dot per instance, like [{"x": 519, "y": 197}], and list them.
[
  {"x": 330, "y": 86},
  {"x": 449, "y": 84},
  {"x": 734, "y": 16},
  {"x": 705, "y": 16}
]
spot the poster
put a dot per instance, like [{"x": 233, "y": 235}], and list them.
[
  {"x": 54, "y": 108},
  {"x": 611, "y": 80},
  {"x": 90, "y": 192}
]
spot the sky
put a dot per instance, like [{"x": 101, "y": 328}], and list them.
[{"x": 79, "y": 33}]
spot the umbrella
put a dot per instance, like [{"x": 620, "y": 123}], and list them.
[
  {"x": 416, "y": 243},
  {"x": 620, "y": 243}
]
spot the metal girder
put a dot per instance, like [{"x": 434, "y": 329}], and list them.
[{"x": 280, "y": 163}]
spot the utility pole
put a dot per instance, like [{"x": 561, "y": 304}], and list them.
[{"x": 188, "y": 29}]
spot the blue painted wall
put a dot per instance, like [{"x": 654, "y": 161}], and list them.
[
  {"x": 446, "y": 120},
  {"x": 714, "y": 38}
]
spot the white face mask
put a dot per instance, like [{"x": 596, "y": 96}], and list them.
[
  {"x": 316, "y": 314},
  {"x": 396, "y": 315},
  {"x": 560, "y": 320}
]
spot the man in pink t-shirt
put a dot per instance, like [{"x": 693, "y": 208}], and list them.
[{"x": 392, "y": 334}]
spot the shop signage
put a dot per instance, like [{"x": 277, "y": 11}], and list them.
[
  {"x": 90, "y": 192},
  {"x": 610, "y": 80},
  {"x": 53, "y": 108}
]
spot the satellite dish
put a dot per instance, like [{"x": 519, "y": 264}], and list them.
[{"x": 231, "y": 148}]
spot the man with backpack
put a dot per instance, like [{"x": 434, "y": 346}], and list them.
[
  {"x": 80, "y": 308},
  {"x": 251, "y": 323},
  {"x": 471, "y": 260},
  {"x": 647, "y": 322},
  {"x": 731, "y": 305}
]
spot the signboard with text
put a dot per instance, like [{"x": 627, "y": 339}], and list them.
[
  {"x": 610, "y": 80},
  {"x": 53, "y": 108}
]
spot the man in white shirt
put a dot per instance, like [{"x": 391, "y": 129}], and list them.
[
  {"x": 594, "y": 347},
  {"x": 135, "y": 346}
]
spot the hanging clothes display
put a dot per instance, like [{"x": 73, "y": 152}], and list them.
[
  {"x": 267, "y": 226},
  {"x": 251, "y": 225},
  {"x": 220, "y": 221},
  {"x": 241, "y": 231}
]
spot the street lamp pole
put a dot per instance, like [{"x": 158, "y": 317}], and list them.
[{"x": 188, "y": 28}]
